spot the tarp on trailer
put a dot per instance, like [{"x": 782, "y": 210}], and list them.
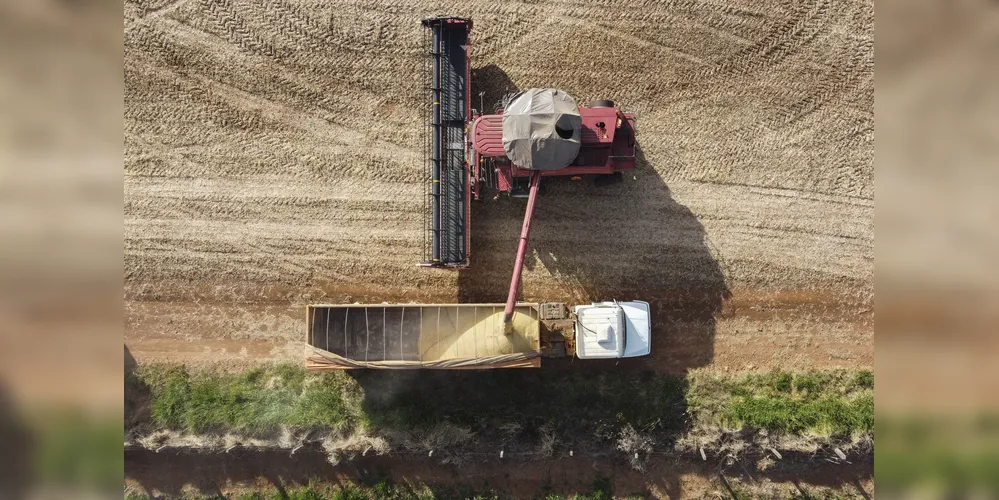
[
  {"x": 400, "y": 336},
  {"x": 542, "y": 129}
]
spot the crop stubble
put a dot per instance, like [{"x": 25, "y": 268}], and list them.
[{"x": 272, "y": 159}]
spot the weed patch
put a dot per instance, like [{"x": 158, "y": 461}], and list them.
[
  {"x": 255, "y": 401},
  {"x": 819, "y": 402}
]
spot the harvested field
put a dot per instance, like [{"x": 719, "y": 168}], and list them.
[{"x": 272, "y": 159}]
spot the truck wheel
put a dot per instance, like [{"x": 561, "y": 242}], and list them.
[{"x": 602, "y": 103}]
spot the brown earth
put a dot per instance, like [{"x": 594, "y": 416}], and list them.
[
  {"x": 272, "y": 159},
  {"x": 173, "y": 471}
]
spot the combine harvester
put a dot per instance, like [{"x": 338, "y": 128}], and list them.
[{"x": 537, "y": 133}]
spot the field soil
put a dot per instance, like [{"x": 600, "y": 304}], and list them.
[{"x": 273, "y": 158}]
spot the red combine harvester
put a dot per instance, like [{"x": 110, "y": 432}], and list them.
[
  {"x": 537, "y": 133},
  {"x": 607, "y": 147}
]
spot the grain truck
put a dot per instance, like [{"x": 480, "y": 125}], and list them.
[{"x": 472, "y": 336}]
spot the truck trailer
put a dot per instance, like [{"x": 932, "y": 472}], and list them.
[{"x": 472, "y": 336}]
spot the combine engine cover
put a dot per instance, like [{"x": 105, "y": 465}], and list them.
[
  {"x": 503, "y": 158},
  {"x": 542, "y": 129}
]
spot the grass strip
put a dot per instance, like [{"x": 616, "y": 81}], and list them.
[
  {"x": 936, "y": 453},
  {"x": 836, "y": 402},
  {"x": 258, "y": 400},
  {"x": 567, "y": 403}
]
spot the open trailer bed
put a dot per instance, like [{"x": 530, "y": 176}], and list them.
[
  {"x": 406, "y": 336},
  {"x": 472, "y": 336}
]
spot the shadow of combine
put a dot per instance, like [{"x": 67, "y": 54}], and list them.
[
  {"x": 513, "y": 409},
  {"x": 137, "y": 398},
  {"x": 626, "y": 241},
  {"x": 489, "y": 84}
]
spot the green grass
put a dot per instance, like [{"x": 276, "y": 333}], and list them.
[
  {"x": 258, "y": 400},
  {"x": 574, "y": 404},
  {"x": 792, "y": 415},
  {"x": 76, "y": 450},
  {"x": 739, "y": 490},
  {"x": 823, "y": 402},
  {"x": 62, "y": 447}
]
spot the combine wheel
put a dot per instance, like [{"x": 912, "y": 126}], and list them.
[{"x": 602, "y": 103}]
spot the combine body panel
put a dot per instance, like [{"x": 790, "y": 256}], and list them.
[
  {"x": 448, "y": 185},
  {"x": 608, "y": 146}
]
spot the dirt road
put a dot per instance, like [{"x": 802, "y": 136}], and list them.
[
  {"x": 272, "y": 159},
  {"x": 170, "y": 471}
]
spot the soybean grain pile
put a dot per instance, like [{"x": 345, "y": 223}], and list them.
[{"x": 273, "y": 158}]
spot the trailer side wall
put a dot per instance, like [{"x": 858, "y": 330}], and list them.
[{"x": 422, "y": 334}]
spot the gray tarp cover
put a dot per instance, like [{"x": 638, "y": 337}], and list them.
[{"x": 542, "y": 129}]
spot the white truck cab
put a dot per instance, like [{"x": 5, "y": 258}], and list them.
[{"x": 613, "y": 330}]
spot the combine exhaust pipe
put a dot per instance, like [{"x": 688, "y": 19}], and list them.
[{"x": 525, "y": 232}]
